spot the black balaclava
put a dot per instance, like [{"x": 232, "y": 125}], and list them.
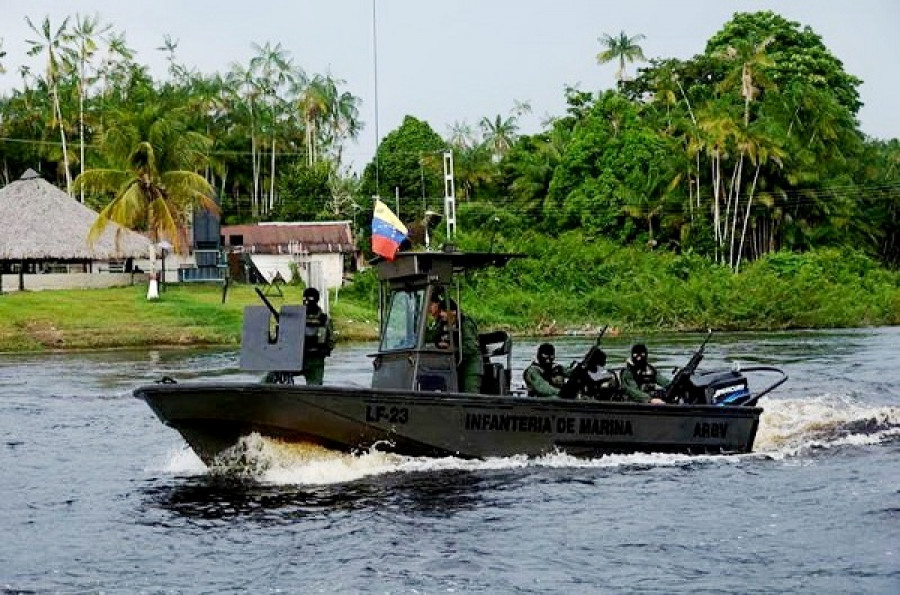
[
  {"x": 545, "y": 355},
  {"x": 311, "y": 299},
  {"x": 639, "y": 356}
]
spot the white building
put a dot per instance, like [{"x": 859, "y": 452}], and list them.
[{"x": 316, "y": 251}]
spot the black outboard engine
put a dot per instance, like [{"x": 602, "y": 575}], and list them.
[{"x": 715, "y": 387}]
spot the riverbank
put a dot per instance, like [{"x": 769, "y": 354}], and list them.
[
  {"x": 570, "y": 285},
  {"x": 185, "y": 315}
]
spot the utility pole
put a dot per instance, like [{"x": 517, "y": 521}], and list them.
[{"x": 449, "y": 195}]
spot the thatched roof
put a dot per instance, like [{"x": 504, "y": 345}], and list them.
[{"x": 40, "y": 221}]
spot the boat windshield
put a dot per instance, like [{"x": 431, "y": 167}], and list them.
[{"x": 402, "y": 323}]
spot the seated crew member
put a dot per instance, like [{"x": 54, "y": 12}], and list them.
[
  {"x": 640, "y": 380},
  {"x": 598, "y": 382},
  {"x": 544, "y": 378}
]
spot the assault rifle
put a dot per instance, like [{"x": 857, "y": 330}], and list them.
[
  {"x": 570, "y": 389},
  {"x": 687, "y": 371}
]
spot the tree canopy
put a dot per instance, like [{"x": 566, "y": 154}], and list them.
[{"x": 750, "y": 148}]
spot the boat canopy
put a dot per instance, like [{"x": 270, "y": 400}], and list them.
[{"x": 438, "y": 266}]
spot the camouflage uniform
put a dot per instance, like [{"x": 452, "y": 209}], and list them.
[
  {"x": 318, "y": 343},
  {"x": 542, "y": 382},
  {"x": 471, "y": 365},
  {"x": 639, "y": 384}
]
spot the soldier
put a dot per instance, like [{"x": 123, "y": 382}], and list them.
[
  {"x": 640, "y": 381},
  {"x": 471, "y": 361},
  {"x": 597, "y": 381},
  {"x": 470, "y": 368},
  {"x": 544, "y": 378},
  {"x": 318, "y": 340}
]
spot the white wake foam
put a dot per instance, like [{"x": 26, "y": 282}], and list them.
[
  {"x": 790, "y": 426},
  {"x": 183, "y": 462},
  {"x": 282, "y": 463}
]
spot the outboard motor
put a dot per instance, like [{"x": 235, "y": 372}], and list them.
[{"x": 716, "y": 387}]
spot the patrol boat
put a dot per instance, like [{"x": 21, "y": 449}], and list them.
[{"x": 414, "y": 406}]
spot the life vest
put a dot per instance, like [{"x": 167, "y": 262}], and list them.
[
  {"x": 645, "y": 378},
  {"x": 555, "y": 376},
  {"x": 315, "y": 340}
]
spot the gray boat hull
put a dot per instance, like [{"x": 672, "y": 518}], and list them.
[{"x": 213, "y": 418}]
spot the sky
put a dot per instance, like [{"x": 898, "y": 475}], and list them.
[{"x": 461, "y": 60}]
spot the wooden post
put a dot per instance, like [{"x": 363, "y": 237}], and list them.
[{"x": 22, "y": 276}]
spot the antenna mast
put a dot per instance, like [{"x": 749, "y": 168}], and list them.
[{"x": 375, "y": 67}]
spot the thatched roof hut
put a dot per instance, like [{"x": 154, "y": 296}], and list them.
[{"x": 38, "y": 221}]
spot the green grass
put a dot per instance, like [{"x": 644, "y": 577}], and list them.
[
  {"x": 123, "y": 317},
  {"x": 568, "y": 283}
]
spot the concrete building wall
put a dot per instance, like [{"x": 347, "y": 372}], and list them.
[
  {"x": 173, "y": 262},
  {"x": 50, "y": 281},
  {"x": 331, "y": 266}
]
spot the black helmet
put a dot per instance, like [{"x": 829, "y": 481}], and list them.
[
  {"x": 311, "y": 294},
  {"x": 639, "y": 348}
]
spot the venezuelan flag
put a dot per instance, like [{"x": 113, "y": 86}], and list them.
[{"x": 388, "y": 232}]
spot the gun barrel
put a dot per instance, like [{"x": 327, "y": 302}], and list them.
[{"x": 267, "y": 303}]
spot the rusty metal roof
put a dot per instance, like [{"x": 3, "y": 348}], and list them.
[{"x": 314, "y": 237}]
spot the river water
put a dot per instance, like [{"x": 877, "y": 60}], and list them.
[{"x": 96, "y": 495}]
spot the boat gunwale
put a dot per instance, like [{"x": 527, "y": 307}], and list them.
[{"x": 447, "y": 399}]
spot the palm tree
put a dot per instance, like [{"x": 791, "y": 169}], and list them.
[
  {"x": 272, "y": 64},
  {"x": 621, "y": 48},
  {"x": 751, "y": 62},
  {"x": 84, "y": 34},
  {"x": 169, "y": 46},
  {"x": 716, "y": 128},
  {"x": 115, "y": 63},
  {"x": 499, "y": 134},
  {"x": 156, "y": 188},
  {"x": 461, "y": 135},
  {"x": 343, "y": 121},
  {"x": 315, "y": 103},
  {"x": 51, "y": 43},
  {"x": 246, "y": 91},
  {"x": 2, "y": 55},
  {"x": 761, "y": 147}
]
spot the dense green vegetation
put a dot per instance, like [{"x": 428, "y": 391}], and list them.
[
  {"x": 569, "y": 285},
  {"x": 733, "y": 189}
]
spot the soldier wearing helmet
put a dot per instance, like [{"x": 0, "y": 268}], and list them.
[
  {"x": 543, "y": 377},
  {"x": 318, "y": 341}
]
